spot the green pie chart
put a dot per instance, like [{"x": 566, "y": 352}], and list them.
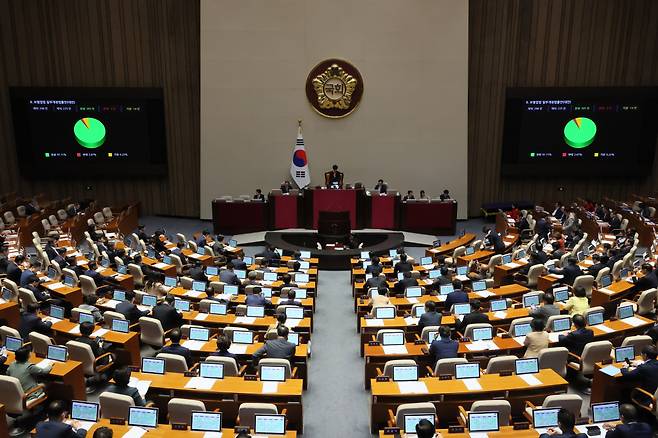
[
  {"x": 89, "y": 132},
  {"x": 579, "y": 132}
]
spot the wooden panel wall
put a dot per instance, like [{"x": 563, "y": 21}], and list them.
[
  {"x": 534, "y": 43},
  {"x": 132, "y": 43}
]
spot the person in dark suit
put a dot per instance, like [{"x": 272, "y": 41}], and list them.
[
  {"x": 290, "y": 301},
  {"x": 547, "y": 309},
  {"x": 176, "y": 348},
  {"x": 594, "y": 269},
  {"x": 443, "y": 347},
  {"x": 278, "y": 348},
  {"x": 286, "y": 280},
  {"x": 543, "y": 228},
  {"x": 629, "y": 427},
  {"x": 646, "y": 374},
  {"x": 99, "y": 279},
  {"x": 376, "y": 281},
  {"x": 406, "y": 282},
  {"x": 50, "y": 249},
  {"x": 648, "y": 279},
  {"x": 238, "y": 263},
  {"x": 14, "y": 270},
  {"x": 614, "y": 222},
  {"x": 570, "y": 272},
  {"x": 403, "y": 265},
  {"x": 286, "y": 187},
  {"x": 228, "y": 276},
  {"x": 56, "y": 427},
  {"x": 103, "y": 432},
  {"x": 73, "y": 209},
  {"x": 375, "y": 267},
  {"x": 408, "y": 196},
  {"x": 576, "y": 340},
  {"x": 33, "y": 286},
  {"x": 334, "y": 178},
  {"x": 458, "y": 296},
  {"x": 96, "y": 345},
  {"x": 30, "y": 322},
  {"x": 558, "y": 212},
  {"x": 426, "y": 429},
  {"x": 566, "y": 421},
  {"x": 475, "y": 317},
  {"x": 430, "y": 318},
  {"x": 259, "y": 195},
  {"x": 256, "y": 299},
  {"x": 557, "y": 251},
  {"x": 269, "y": 254},
  {"x": 120, "y": 386},
  {"x": 197, "y": 272},
  {"x": 442, "y": 279},
  {"x": 202, "y": 240},
  {"x": 381, "y": 186},
  {"x": 166, "y": 313},
  {"x": 445, "y": 196},
  {"x": 494, "y": 240},
  {"x": 128, "y": 308},
  {"x": 223, "y": 345}
]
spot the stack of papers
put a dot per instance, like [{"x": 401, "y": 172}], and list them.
[
  {"x": 245, "y": 320},
  {"x": 633, "y": 321},
  {"x": 611, "y": 370},
  {"x": 604, "y": 328},
  {"x": 530, "y": 379},
  {"x": 395, "y": 349},
  {"x": 412, "y": 388},
  {"x": 134, "y": 432},
  {"x": 99, "y": 332},
  {"x": 410, "y": 320},
  {"x": 520, "y": 339},
  {"x": 472, "y": 384},
  {"x": 193, "y": 345},
  {"x": 51, "y": 319},
  {"x": 201, "y": 316},
  {"x": 482, "y": 345},
  {"x": 554, "y": 337},
  {"x": 76, "y": 330},
  {"x": 374, "y": 323},
  {"x": 270, "y": 387},
  {"x": 500, "y": 314},
  {"x": 56, "y": 286},
  {"x": 606, "y": 291},
  {"x": 111, "y": 303},
  {"x": 161, "y": 265},
  {"x": 292, "y": 323},
  {"x": 412, "y": 300},
  {"x": 45, "y": 364},
  {"x": 200, "y": 383},
  {"x": 556, "y": 276},
  {"x": 141, "y": 385},
  {"x": 238, "y": 348},
  {"x": 512, "y": 265},
  {"x": 485, "y": 293},
  {"x": 193, "y": 293}
]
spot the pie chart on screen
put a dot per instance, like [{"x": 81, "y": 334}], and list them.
[
  {"x": 579, "y": 132},
  {"x": 89, "y": 132}
]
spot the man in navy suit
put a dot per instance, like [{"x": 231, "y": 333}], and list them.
[
  {"x": 430, "y": 318},
  {"x": 167, "y": 314},
  {"x": 576, "y": 340},
  {"x": 407, "y": 281},
  {"x": 566, "y": 421},
  {"x": 128, "y": 309},
  {"x": 228, "y": 276},
  {"x": 256, "y": 299},
  {"x": 30, "y": 322},
  {"x": 176, "y": 348},
  {"x": 646, "y": 374},
  {"x": 443, "y": 347},
  {"x": 458, "y": 296},
  {"x": 629, "y": 427},
  {"x": 570, "y": 272},
  {"x": 492, "y": 238},
  {"x": 55, "y": 427}
]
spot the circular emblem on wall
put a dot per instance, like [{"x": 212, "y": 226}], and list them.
[{"x": 334, "y": 88}]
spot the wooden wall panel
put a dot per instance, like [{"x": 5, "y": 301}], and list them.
[
  {"x": 536, "y": 43},
  {"x": 114, "y": 43}
]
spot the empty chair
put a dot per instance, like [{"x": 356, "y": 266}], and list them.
[
  {"x": 554, "y": 358},
  {"x": 422, "y": 408},
  {"x": 174, "y": 363},
  {"x": 217, "y": 286},
  {"x": 503, "y": 408},
  {"x": 602, "y": 273},
  {"x": 646, "y": 302},
  {"x": 586, "y": 281},
  {"x": 76, "y": 311},
  {"x": 637, "y": 341},
  {"x": 138, "y": 275},
  {"x": 186, "y": 283},
  {"x": 53, "y": 221},
  {"x": 534, "y": 273},
  {"x": 107, "y": 213},
  {"x": 388, "y": 366},
  {"x": 447, "y": 366},
  {"x": 13, "y": 288},
  {"x": 61, "y": 215},
  {"x": 9, "y": 218},
  {"x": 192, "y": 245},
  {"x": 247, "y": 412},
  {"x": 494, "y": 261},
  {"x": 99, "y": 218},
  {"x": 593, "y": 352},
  {"x": 18, "y": 403},
  {"x": 616, "y": 269},
  {"x": 151, "y": 332},
  {"x": 501, "y": 364},
  {"x": 88, "y": 285},
  {"x": 91, "y": 365},
  {"x": 289, "y": 372},
  {"x": 180, "y": 410},
  {"x": 571, "y": 402},
  {"x": 228, "y": 331},
  {"x": 181, "y": 238},
  {"x": 380, "y": 333},
  {"x": 176, "y": 261},
  {"x": 115, "y": 405},
  {"x": 5, "y": 331},
  {"x": 71, "y": 273},
  {"x": 40, "y": 343},
  {"x": 230, "y": 365},
  {"x": 21, "y": 210},
  {"x": 551, "y": 319},
  {"x": 26, "y": 298}
]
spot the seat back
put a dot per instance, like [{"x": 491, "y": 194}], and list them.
[
  {"x": 192, "y": 245},
  {"x": 468, "y": 333},
  {"x": 186, "y": 283},
  {"x": 61, "y": 214},
  {"x": 380, "y": 333},
  {"x": 151, "y": 331},
  {"x": 180, "y": 410},
  {"x": 495, "y": 261},
  {"x": 176, "y": 261},
  {"x": 592, "y": 310},
  {"x": 88, "y": 285},
  {"x": 549, "y": 321},
  {"x": 586, "y": 281},
  {"x": 503, "y": 408},
  {"x": 501, "y": 364},
  {"x": 174, "y": 363},
  {"x": 447, "y": 366},
  {"x": 423, "y": 408},
  {"x": 71, "y": 273},
  {"x": 81, "y": 352},
  {"x": 11, "y": 395},
  {"x": 5, "y": 331},
  {"x": 9, "y": 218},
  {"x": 570, "y": 402},
  {"x": 26, "y": 298},
  {"x": 180, "y": 238},
  {"x": 216, "y": 286},
  {"x": 248, "y": 411},
  {"x": 637, "y": 341},
  {"x": 40, "y": 343},
  {"x": 388, "y": 366},
  {"x": 646, "y": 303},
  {"x": 554, "y": 358},
  {"x": 517, "y": 321},
  {"x": 230, "y": 364},
  {"x": 594, "y": 352},
  {"x": 107, "y": 212},
  {"x": 425, "y": 334},
  {"x": 280, "y": 362},
  {"x": 76, "y": 311},
  {"x": 228, "y": 331},
  {"x": 136, "y": 272},
  {"x": 115, "y": 405},
  {"x": 99, "y": 218},
  {"x": 458, "y": 252},
  {"x": 109, "y": 315},
  {"x": 616, "y": 269},
  {"x": 534, "y": 273},
  {"x": 13, "y": 287},
  {"x": 602, "y": 273}
]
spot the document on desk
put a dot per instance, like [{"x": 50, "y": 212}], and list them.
[
  {"x": 530, "y": 379},
  {"x": 412, "y": 388},
  {"x": 395, "y": 349},
  {"x": 554, "y": 337},
  {"x": 374, "y": 323},
  {"x": 99, "y": 332},
  {"x": 56, "y": 286},
  {"x": 143, "y": 308},
  {"x": 45, "y": 364},
  {"x": 604, "y": 328},
  {"x": 244, "y": 320},
  {"x": 611, "y": 370},
  {"x": 214, "y": 435},
  {"x": 200, "y": 383},
  {"x": 482, "y": 345},
  {"x": 238, "y": 348},
  {"x": 412, "y": 300},
  {"x": 51, "y": 319},
  {"x": 270, "y": 387},
  {"x": 556, "y": 276},
  {"x": 292, "y": 323},
  {"x": 520, "y": 339},
  {"x": 428, "y": 267},
  {"x": 110, "y": 303},
  {"x": 485, "y": 293},
  {"x": 161, "y": 265},
  {"x": 512, "y": 265},
  {"x": 194, "y": 293},
  {"x": 633, "y": 321},
  {"x": 134, "y": 432},
  {"x": 409, "y": 320},
  {"x": 141, "y": 385},
  {"x": 462, "y": 278},
  {"x": 606, "y": 291},
  {"x": 75, "y": 330},
  {"x": 193, "y": 345},
  {"x": 478, "y": 435},
  {"x": 500, "y": 314},
  {"x": 201, "y": 316},
  {"x": 472, "y": 384}
]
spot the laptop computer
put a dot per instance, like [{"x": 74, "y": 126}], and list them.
[
  {"x": 269, "y": 276},
  {"x": 243, "y": 337},
  {"x": 469, "y": 370},
  {"x": 58, "y": 353},
  {"x": 530, "y": 300},
  {"x": 211, "y": 370},
  {"x": 255, "y": 311},
  {"x": 152, "y": 365},
  {"x": 142, "y": 417},
  {"x": 526, "y": 366},
  {"x": 56, "y": 312},
  {"x": 462, "y": 309},
  {"x": 411, "y": 420},
  {"x": 86, "y": 317},
  {"x": 413, "y": 292},
  {"x": 269, "y": 424},
  {"x": 149, "y": 300},
  {"x": 483, "y": 422},
  {"x": 120, "y": 325},
  {"x": 199, "y": 334},
  {"x": 446, "y": 289},
  {"x": 405, "y": 373},
  {"x": 206, "y": 421},
  {"x": 561, "y": 324},
  {"x": 561, "y": 294},
  {"x": 181, "y": 305},
  {"x": 170, "y": 281},
  {"x": 482, "y": 334},
  {"x": 595, "y": 318},
  {"x": 393, "y": 338},
  {"x": 544, "y": 418},
  {"x": 217, "y": 309},
  {"x": 522, "y": 329},
  {"x": 479, "y": 285},
  {"x": 272, "y": 373},
  {"x": 199, "y": 286},
  {"x": 605, "y": 412},
  {"x": 623, "y": 353},
  {"x": 294, "y": 312},
  {"x": 84, "y": 411},
  {"x": 384, "y": 312},
  {"x": 13, "y": 343},
  {"x": 498, "y": 305}
]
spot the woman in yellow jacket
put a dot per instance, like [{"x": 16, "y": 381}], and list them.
[{"x": 578, "y": 303}]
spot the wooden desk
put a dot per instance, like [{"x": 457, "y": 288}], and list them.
[
  {"x": 164, "y": 268},
  {"x": 205, "y": 260},
  {"x": 126, "y": 344},
  {"x": 71, "y": 294},
  {"x": 621, "y": 289},
  {"x": 446, "y": 395},
  {"x": 66, "y": 379},
  {"x": 478, "y": 256},
  {"x": 449, "y": 247},
  {"x": 504, "y": 432},
  {"x": 165, "y": 430},
  {"x": 4, "y": 429},
  {"x": 11, "y": 312},
  {"x": 124, "y": 281},
  {"x": 503, "y": 273},
  {"x": 205, "y": 319},
  {"x": 307, "y": 303},
  {"x": 605, "y": 387},
  {"x": 227, "y": 394}
]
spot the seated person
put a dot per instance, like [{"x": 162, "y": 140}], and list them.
[
  {"x": 425, "y": 429},
  {"x": 228, "y": 276},
  {"x": 381, "y": 186},
  {"x": 537, "y": 339},
  {"x": 259, "y": 195},
  {"x": 33, "y": 286},
  {"x": 26, "y": 372},
  {"x": 97, "y": 346},
  {"x": 576, "y": 340},
  {"x": 408, "y": 196},
  {"x": 203, "y": 238},
  {"x": 406, "y": 282},
  {"x": 166, "y": 313},
  {"x": 198, "y": 272},
  {"x": 376, "y": 281},
  {"x": 630, "y": 427},
  {"x": 443, "y": 347},
  {"x": 380, "y": 298},
  {"x": 103, "y": 432},
  {"x": 423, "y": 196},
  {"x": 570, "y": 272},
  {"x": 648, "y": 279},
  {"x": 238, "y": 263},
  {"x": 210, "y": 295},
  {"x": 56, "y": 426},
  {"x": 290, "y": 301},
  {"x": 578, "y": 303},
  {"x": 458, "y": 296},
  {"x": 375, "y": 268},
  {"x": 442, "y": 279},
  {"x": 99, "y": 279},
  {"x": 475, "y": 317},
  {"x": 89, "y": 304},
  {"x": 287, "y": 281},
  {"x": 269, "y": 254},
  {"x": 334, "y": 179},
  {"x": 445, "y": 195},
  {"x": 431, "y": 317},
  {"x": 547, "y": 309},
  {"x": 566, "y": 421},
  {"x": 176, "y": 348},
  {"x": 644, "y": 375},
  {"x": 128, "y": 308},
  {"x": 31, "y": 322},
  {"x": 278, "y": 348},
  {"x": 257, "y": 299},
  {"x": 403, "y": 265},
  {"x": 223, "y": 346},
  {"x": 120, "y": 386}
]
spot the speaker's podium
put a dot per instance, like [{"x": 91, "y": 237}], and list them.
[
  {"x": 337, "y": 200},
  {"x": 334, "y": 226},
  {"x": 284, "y": 209}
]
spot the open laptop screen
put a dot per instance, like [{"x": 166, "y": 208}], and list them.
[
  {"x": 206, "y": 421},
  {"x": 144, "y": 417}
]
